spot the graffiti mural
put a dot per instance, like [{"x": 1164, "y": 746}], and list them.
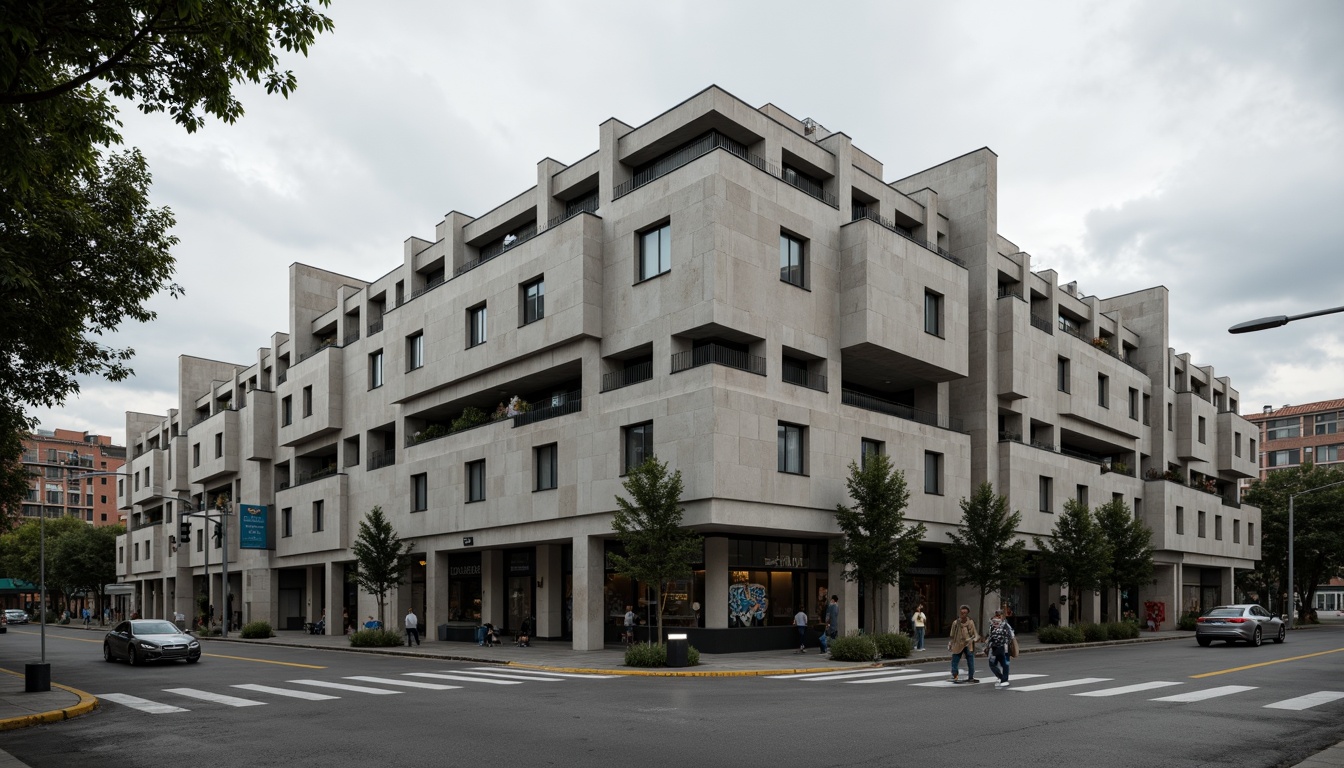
[{"x": 746, "y": 604}]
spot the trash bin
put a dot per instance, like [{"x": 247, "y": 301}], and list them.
[
  {"x": 678, "y": 651},
  {"x": 443, "y": 632}
]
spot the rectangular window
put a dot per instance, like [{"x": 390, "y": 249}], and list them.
[
  {"x": 1134, "y": 404},
  {"x": 1201, "y": 429},
  {"x": 137, "y": 551},
  {"x": 1278, "y": 429},
  {"x": 1284, "y": 458},
  {"x": 476, "y": 480},
  {"x": 1103, "y": 390},
  {"x": 376, "y": 369},
  {"x": 1063, "y": 374},
  {"x": 790, "y": 438},
  {"x": 415, "y": 351},
  {"x": 219, "y": 448},
  {"x": 419, "y": 492},
  {"x": 1327, "y": 423},
  {"x": 1327, "y": 453},
  {"x": 933, "y": 313},
  {"x": 1251, "y": 442},
  {"x": 638, "y": 446},
  {"x": 544, "y": 467},
  {"x": 1171, "y": 419},
  {"x": 195, "y": 456},
  {"x": 1236, "y": 531},
  {"x": 1180, "y": 521},
  {"x": 1202, "y": 516},
  {"x": 869, "y": 448},
  {"x": 1218, "y": 527},
  {"x": 933, "y": 473},
  {"x": 1147, "y": 403},
  {"x": 1081, "y": 495},
  {"x": 307, "y": 401},
  {"x": 286, "y": 523},
  {"x": 476, "y": 326},
  {"x": 286, "y": 411},
  {"x": 791, "y": 260},
  {"x": 1047, "y": 492},
  {"x": 1250, "y": 534},
  {"x": 318, "y": 510},
  {"x": 1236, "y": 444},
  {"x": 534, "y": 301},
  {"x": 655, "y": 252}
]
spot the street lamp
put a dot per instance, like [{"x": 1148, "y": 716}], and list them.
[
  {"x": 1292, "y": 588},
  {"x": 1278, "y": 320}
]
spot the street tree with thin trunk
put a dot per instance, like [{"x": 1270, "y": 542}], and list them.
[
  {"x": 985, "y": 551},
  {"x": 1318, "y": 529},
  {"x": 658, "y": 548},
  {"x": 877, "y": 545},
  {"x": 382, "y": 559},
  {"x": 1076, "y": 555},
  {"x": 1131, "y": 543}
]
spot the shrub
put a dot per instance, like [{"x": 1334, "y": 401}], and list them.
[
  {"x": 1186, "y": 623},
  {"x": 655, "y": 655},
  {"x": 1056, "y": 635},
  {"x": 854, "y": 648},
  {"x": 471, "y": 416},
  {"x": 257, "y": 629},
  {"x": 892, "y": 645},
  {"x": 1093, "y": 633},
  {"x": 693, "y": 656},
  {"x": 1122, "y": 630},
  {"x": 375, "y": 638}
]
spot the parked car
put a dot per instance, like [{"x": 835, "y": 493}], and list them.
[
  {"x": 143, "y": 640},
  {"x": 1248, "y": 622},
  {"x": 3, "y": 622},
  {"x": 16, "y": 616}
]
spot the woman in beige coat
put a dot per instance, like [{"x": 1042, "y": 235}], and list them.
[{"x": 962, "y": 642}]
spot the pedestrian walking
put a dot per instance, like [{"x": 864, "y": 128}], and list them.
[
  {"x": 919, "y": 618},
  {"x": 800, "y": 621},
  {"x": 832, "y": 629},
  {"x": 961, "y": 642},
  {"x": 412, "y": 625},
  {"x": 1002, "y": 643},
  {"x": 630, "y": 619},
  {"x": 1054, "y": 615},
  {"x": 88, "y": 618}
]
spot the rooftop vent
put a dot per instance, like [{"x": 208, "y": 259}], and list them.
[{"x": 1072, "y": 288}]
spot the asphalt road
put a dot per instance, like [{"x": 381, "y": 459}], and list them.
[{"x": 1244, "y": 707}]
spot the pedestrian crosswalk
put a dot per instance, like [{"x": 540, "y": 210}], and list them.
[
  {"x": 387, "y": 685},
  {"x": 1097, "y": 687}
]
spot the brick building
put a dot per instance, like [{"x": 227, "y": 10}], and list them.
[
  {"x": 57, "y": 462},
  {"x": 1293, "y": 434}
]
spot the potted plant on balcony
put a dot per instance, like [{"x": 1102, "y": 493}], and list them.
[{"x": 1102, "y": 343}]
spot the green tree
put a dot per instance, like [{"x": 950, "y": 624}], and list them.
[
  {"x": 85, "y": 561},
  {"x": 1131, "y": 545},
  {"x": 81, "y": 249},
  {"x": 658, "y": 548},
  {"x": 20, "y": 552},
  {"x": 381, "y": 558},
  {"x": 1076, "y": 555},
  {"x": 985, "y": 551},
  {"x": 877, "y": 545},
  {"x": 1318, "y": 527}
]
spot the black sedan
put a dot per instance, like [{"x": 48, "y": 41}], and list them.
[
  {"x": 1248, "y": 622},
  {"x": 145, "y": 640}
]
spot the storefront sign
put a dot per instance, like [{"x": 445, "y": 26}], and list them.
[
  {"x": 465, "y": 570},
  {"x": 253, "y": 528}
]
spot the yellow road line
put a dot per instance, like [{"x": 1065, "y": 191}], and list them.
[
  {"x": 1265, "y": 664},
  {"x": 263, "y": 661}
]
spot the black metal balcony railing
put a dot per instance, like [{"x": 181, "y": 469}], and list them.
[
  {"x": 315, "y": 474},
  {"x": 625, "y": 377},
  {"x": 380, "y": 459},
  {"x": 1008, "y": 436},
  {"x": 900, "y": 411},
  {"x": 430, "y": 284},
  {"x": 1011, "y": 290},
  {"x": 719, "y": 355},
  {"x": 494, "y": 249},
  {"x": 574, "y": 208},
  {"x": 863, "y": 212},
  {"x": 376, "y": 326},
  {"x": 1231, "y": 503},
  {"x": 351, "y": 337},
  {"x": 803, "y": 378},
  {"x": 570, "y": 402},
  {"x": 1043, "y": 446},
  {"x": 282, "y": 378},
  {"x": 1042, "y": 324}
]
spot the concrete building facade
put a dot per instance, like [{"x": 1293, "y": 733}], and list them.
[{"x": 729, "y": 288}]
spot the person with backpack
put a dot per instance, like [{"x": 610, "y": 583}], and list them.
[{"x": 1002, "y": 644}]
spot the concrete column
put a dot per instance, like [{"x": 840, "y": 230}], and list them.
[
  {"x": 547, "y": 206},
  {"x": 1091, "y": 607},
  {"x": 550, "y": 595},
  {"x": 1226, "y": 586},
  {"x": 436, "y": 593},
  {"x": 450, "y": 232},
  {"x": 589, "y": 571},
  {"x": 716, "y": 582},
  {"x": 611, "y": 172},
  {"x": 332, "y": 595},
  {"x": 493, "y": 599},
  {"x": 889, "y": 619},
  {"x": 312, "y": 601}
]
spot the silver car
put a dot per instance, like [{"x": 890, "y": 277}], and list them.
[
  {"x": 143, "y": 640},
  {"x": 16, "y": 616},
  {"x": 1248, "y": 622}
]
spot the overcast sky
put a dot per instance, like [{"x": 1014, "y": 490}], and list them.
[{"x": 1197, "y": 145}]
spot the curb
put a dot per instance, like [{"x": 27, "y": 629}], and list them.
[{"x": 87, "y": 703}]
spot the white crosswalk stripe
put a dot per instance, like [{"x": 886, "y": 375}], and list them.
[
  {"x": 343, "y": 687},
  {"x": 839, "y": 674},
  {"x": 462, "y": 678},
  {"x": 544, "y": 673},
  {"x": 144, "y": 705},
  {"x": 988, "y": 681},
  {"x": 1207, "y": 693},
  {"x": 405, "y": 683},
  {"x": 1128, "y": 689},
  {"x": 901, "y": 678},
  {"x": 1062, "y": 683},
  {"x": 291, "y": 693},
  {"x": 214, "y": 698},
  {"x": 510, "y": 676},
  {"x": 1308, "y": 701}
]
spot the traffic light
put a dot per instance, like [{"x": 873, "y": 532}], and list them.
[
  {"x": 184, "y": 532},
  {"x": 219, "y": 534}
]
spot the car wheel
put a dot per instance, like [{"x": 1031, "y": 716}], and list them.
[
  {"x": 107, "y": 653},
  {"x": 1203, "y": 641},
  {"x": 1256, "y": 637},
  {"x": 1283, "y": 634},
  {"x": 193, "y": 661},
  {"x": 132, "y": 657}
]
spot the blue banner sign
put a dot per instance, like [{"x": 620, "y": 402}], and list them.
[{"x": 252, "y": 526}]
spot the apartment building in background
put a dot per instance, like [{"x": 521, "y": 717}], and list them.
[
  {"x": 1293, "y": 434},
  {"x": 62, "y": 466},
  {"x": 731, "y": 289}
]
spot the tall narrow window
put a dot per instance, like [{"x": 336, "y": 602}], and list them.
[
  {"x": 415, "y": 351},
  {"x": 319, "y": 511},
  {"x": 791, "y": 263},
  {"x": 1081, "y": 495},
  {"x": 219, "y": 451},
  {"x": 419, "y": 492},
  {"x": 655, "y": 252},
  {"x": 307, "y": 401},
  {"x": 933, "y": 473},
  {"x": 376, "y": 369},
  {"x": 286, "y": 411},
  {"x": 791, "y": 447},
  {"x": 1063, "y": 374},
  {"x": 286, "y": 524},
  {"x": 1171, "y": 418},
  {"x": 1180, "y": 521},
  {"x": 534, "y": 301},
  {"x": 1201, "y": 429},
  {"x": 1046, "y": 494},
  {"x": 476, "y": 326},
  {"x": 195, "y": 457},
  {"x": 1134, "y": 404},
  {"x": 638, "y": 446},
  {"x": 1218, "y": 527},
  {"x": 1103, "y": 390},
  {"x": 544, "y": 468},
  {"x": 476, "y": 480},
  {"x": 1250, "y": 534},
  {"x": 1202, "y": 516},
  {"x": 1236, "y": 531},
  {"x": 869, "y": 448},
  {"x": 933, "y": 313}
]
